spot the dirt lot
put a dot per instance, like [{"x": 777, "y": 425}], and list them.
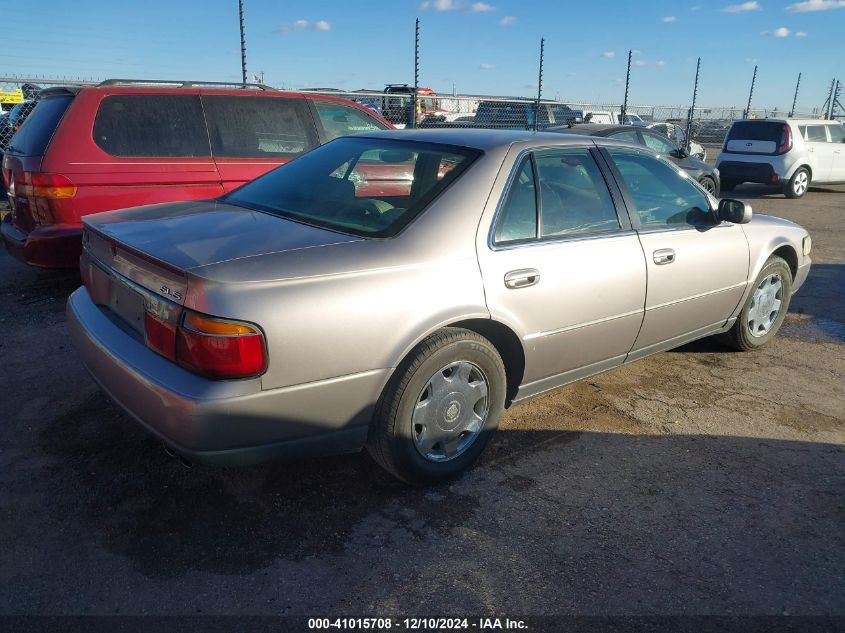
[{"x": 699, "y": 481}]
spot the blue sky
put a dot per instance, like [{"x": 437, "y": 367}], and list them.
[{"x": 488, "y": 47}]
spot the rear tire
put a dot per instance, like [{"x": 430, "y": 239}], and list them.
[
  {"x": 410, "y": 435},
  {"x": 798, "y": 184},
  {"x": 764, "y": 309}
]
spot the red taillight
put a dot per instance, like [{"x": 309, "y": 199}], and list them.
[
  {"x": 160, "y": 335},
  {"x": 40, "y": 185},
  {"x": 218, "y": 348},
  {"x": 785, "y": 140}
]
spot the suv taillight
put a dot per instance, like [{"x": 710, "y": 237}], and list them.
[
  {"x": 41, "y": 185},
  {"x": 785, "y": 140}
]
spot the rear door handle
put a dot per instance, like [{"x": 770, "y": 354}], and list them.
[
  {"x": 664, "y": 256},
  {"x": 522, "y": 278}
]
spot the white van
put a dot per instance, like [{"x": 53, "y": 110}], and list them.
[{"x": 790, "y": 153}]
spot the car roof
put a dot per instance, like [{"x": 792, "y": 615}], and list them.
[
  {"x": 591, "y": 129},
  {"x": 482, "y": 139}
]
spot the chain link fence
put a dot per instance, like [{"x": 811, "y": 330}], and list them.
[{"x": 706, "y": 125}]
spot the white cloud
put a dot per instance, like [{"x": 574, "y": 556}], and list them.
[
  {"x": 742, "y": 8},
  {"x": 800, "y": 34},
  {"x": 438, "y": 5},
  {"x": 778, "y": 33},
  {"x": 697, "y": 7},
  {"x": 456, "y": 5},
  {"x": 608, "y": 54},
  {"x": 507, "y": 20},
  {"x": 660, "y": 62},
  {"x": 636, "y": 52},
  {"x": 668, "y": 18},
  {"x": 639, "y": 63},
  {"x": 486, "y": 66},
  {"x": 816, "y": 5},
  {"x": 304, "y": 25}
]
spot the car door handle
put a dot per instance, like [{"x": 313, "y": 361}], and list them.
[
  {"x": 522, "y": 278},
  {"x": 664, "y": 256}
]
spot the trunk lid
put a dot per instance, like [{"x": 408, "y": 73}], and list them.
[{"x": 187, "y": 235}]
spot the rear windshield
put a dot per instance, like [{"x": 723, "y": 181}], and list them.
[
  {"x": 359, "y": 186},
  {"x": 756, "y": 131},
  {"x": 34, "y": 135}
]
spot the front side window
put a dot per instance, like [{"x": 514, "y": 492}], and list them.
[
  {"x": 837, "y": 132},
  {"x": 258, "y": 126},
  {"x": 343, "y": 120},
  {"x": 627, "y": 135},
  {"x": 151, "y": 126},
  {"x": 573, "y": 194},
  {"x": 323, "y": 188},
  {"x": 662, "y": 195},
  {"x": 658, "y": 143}
]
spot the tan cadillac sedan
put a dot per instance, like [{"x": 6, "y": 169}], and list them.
[{"x": 397, "y": 290}]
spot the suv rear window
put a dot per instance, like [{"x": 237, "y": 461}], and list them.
[
  {"x": 256, "y": 127},
  {"x": 756, "y": 131},
  {"x": 151, "y": 125},
  {"x": 35, "y": 134}
]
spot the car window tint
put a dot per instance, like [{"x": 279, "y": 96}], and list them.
[
  {"x": 33, "y": 137},
  {"x": 258, "y": 127},
  {"x": 151, "y": 125},
  {"x": 342, "y": 120},
  {"x": 658, "y": 143},
  {"x": 816, "y": 134},
  {"x": 518, "y": 218},
  {"x": 628, "y": 135},
  {"x": 321, "y": 187},
  {"x": 573, "y": 194},
  {"x": 837, "y": 133},
  {"x": 802, "y": 130},
  {"x": 662, "y": 195}
]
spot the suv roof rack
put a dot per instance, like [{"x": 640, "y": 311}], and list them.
[{"x": 180, "y": 83}]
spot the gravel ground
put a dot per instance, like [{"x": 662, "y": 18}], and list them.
[{"x": 698, "y": 481}]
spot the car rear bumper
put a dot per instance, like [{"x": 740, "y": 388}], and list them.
[
  {"x": 741, "y": 171},
  {"x": 49, "y": 246},
  {"x": 221, "y": 422}
]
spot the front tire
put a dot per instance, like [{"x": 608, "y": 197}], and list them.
[
  {"x": 440, "y": 408},
  {"x": 764, "y": 310},
  {"x": 798, "y": 184},
  {"x": 709, "y": 185}
]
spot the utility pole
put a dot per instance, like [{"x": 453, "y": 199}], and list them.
[
  {"x": 627, "y": 82},
  {"x": 747, "y": 112},
  {"x": 539, "y": 86},
  {"x": 413, "y": 120},
  {"x": 692, "y": 107},
  {"x": 243, "y": 40},
  {"x": 795, "y": 98}
]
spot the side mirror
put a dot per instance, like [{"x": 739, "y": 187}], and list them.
[{"x": 734, "y": 211}]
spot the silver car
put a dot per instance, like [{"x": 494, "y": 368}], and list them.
[{"x": 397, "y": 290}]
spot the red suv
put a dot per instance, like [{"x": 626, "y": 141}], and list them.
[{"x": 122, "y": 144}]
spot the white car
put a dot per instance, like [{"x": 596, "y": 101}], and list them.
[
  {"x": 613, "y": 118},
  {"x": 791, "y": 153},
  {"x": 676, "y": 133}
]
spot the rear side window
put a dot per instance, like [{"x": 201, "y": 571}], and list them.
[
  {"x": 518, "y": 219},
  {"x": 35, "y": 134},
  {"x": 151, "y": 126},
  {"x": 343, "y": 120},
  {"x": 816, "y": 134},
  {"x": 258, "y": 127},
  {"x": 756, "y": 131}
]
